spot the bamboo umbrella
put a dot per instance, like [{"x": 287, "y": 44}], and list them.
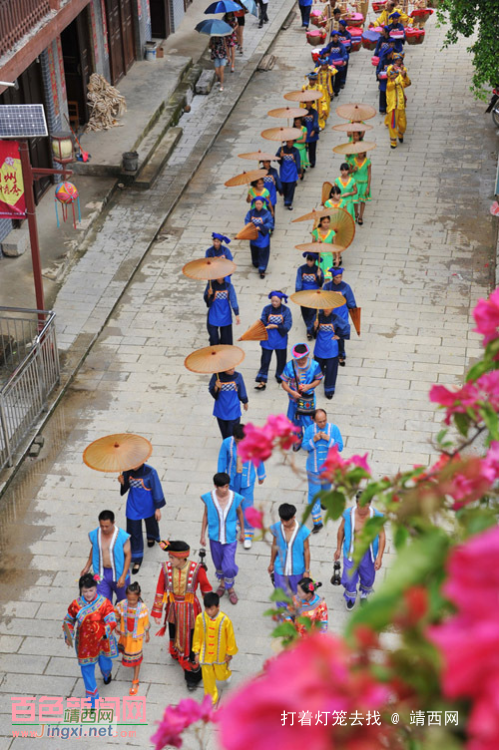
[
  {"x": 245, "y": 178},
  {"x": 117, "y": 453},
  {"x": 256, "y": 332},
  {"x": 355, "y": 112},
  {"x": 356, "y": 147}
]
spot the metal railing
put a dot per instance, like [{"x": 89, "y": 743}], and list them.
[
  {"x": 17, "y": 18},
  {"x": 29, "y": 372}
]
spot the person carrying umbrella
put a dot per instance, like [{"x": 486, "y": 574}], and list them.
[
  {"x": 290, "y": 171},
  {"x": 277, "y": 319},
  {"x": 321, "y": 105},
  {"x": 338, "y": 285},
  {"x": 221, "y": 301},
  {"x": 300, "y": 378},
  {"x": 329, "y": 328},
  {"x": 272, "y": 183},
  {"x": 219, "y": 50},
  {"x": 260, "y": 216},
  {"x": 258, "y": 190},
  {"x": 219, "y": 250},
  {"x": 229, "y": 391},
  {"x": 311, "y": 120},
  {"x": 309, "y": 276}
]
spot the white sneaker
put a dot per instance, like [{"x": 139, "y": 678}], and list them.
[{"x": 247, "y": 544}]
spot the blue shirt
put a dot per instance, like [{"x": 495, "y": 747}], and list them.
[
  {"x": 312, "y": 124},
  {"x": 220, "y": 303},
  {"x": 317, "y": 451},
  {"x": 222, "y": 523},
  {"x": 349, "y": 541},
  {"x": 290, "y": 560},
  {"x": 304, "y": 375},
  {"x": 145, "y": 494},
  {"x": 308, "y": 277},
  {"x": 290, "y": 164},
  {"x": 227, "y": 400},
  {"x": 116, "y": 552},
  {"x": 346, "y": 290},
  {"x": 264, "y": 222},
  {"x": 326, "y": 346},
  {"x": 227, "y": 463},
  {"x": 281, "y": 317},
  {"x": 272, "y": 182}
]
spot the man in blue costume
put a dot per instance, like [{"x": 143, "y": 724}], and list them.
[
  {"x": 311, "y": 120},
  {"x": 290, "y": 554},
  {"x": 329, "y": 328},
  {"x": 317, "y": 440},
  {"x": 290, "y": 171},
  {"x": 272, "y": 182},
  {"x": 384, "y": 61},
  {"x": 277, "y": 319},
  {"x": 338, "y": 285},
  {"x": 262, "y": 219},
  {"x": 335, "y": 52},
  {"x": 221, "y": 300},
  {"x": 144, "y": 503},
  {"x": 352, "y": 525},
  {"x": 229, "y": 391},
  {"x": 242, "y": 474},
  {"x": 300, "y": 378},
  {"x": 309, "y": 276},
  {"x": 110, "y": 557}
]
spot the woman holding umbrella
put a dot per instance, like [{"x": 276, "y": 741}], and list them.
[
  {"x": 324, "y": 233},
  {"x": 221, "y": 301},
  {"x": 219, "y": 49},
  {"x": 277, "y": 319},
  {"x": 261, "y": 218}
]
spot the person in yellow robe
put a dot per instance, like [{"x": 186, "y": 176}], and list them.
[
  {"x": 325, "y": 73},
  {"x": 384, "y": 17},
  {"x": 320, "y": 105},
  {"x": 214, "y": 644},
  {"x": 397, "y": 81}
]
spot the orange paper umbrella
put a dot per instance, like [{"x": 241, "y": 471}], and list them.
[
  {"x": 249, "y": 232},
  {"x": 344, "y": 227},
  {"x": 355, "y": 315},
  {"x": 315, "y": 214},
  {"x": 245, "y": 178},
  {"x": 326, "y": 191},
  {"x": 212, "y": 359},
  {"x": 355, "y": 112},
  {"x": 319, "y": 247},
  {"x": 256, "y": 332},
  {"x": 352, "y": 127},
  {"x": 287, "y": 112},
  {"x": 208, "y": 269},
  {"x": 117, "y": 452},
  {"x": 318, "y": 299},
  {"x": 281, "y": 134},
  {"x": 357, "y": 147},
  {"x": 258, "y": 156},
  {"x": 303, "y": 96}
]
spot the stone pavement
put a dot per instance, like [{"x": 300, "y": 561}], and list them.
[{"x": 417, "y": 266}]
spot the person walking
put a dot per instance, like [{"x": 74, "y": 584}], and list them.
[
  {"x": 300, "y": 378},
  {"x": 231, "y": 40},
  {"x": 110, "y": 557},
  {"x": 219, "y": 50},
  {"x": 309, "y": 276},
  {"x": 221, "y": 300},
  {"x": 290, "y": 170},
  {"x": 133, "y": 628},
  {"x": 277, "y": 319},
  {"x": 328, "y": 327},
  {"x": 261, "y": 217},
  {"x": 229, "y": 391},
  {"x": 290, "y": 553},
  {"x": 214, "y": 645},
  {"x": 338, "y": 285},
  {"x": 397, "y": 81},
  {"x": 305, "y": 7}
]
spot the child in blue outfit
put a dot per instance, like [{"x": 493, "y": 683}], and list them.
[
  {"x": 221, "y": 300},
  {"x": 229, "y": 391}
]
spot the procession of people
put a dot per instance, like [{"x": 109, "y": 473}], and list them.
[{"x": 203, "y": 643}]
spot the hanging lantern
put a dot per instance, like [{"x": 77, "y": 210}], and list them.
[
  {"x": 67, "y": 195},
  {"x": 62, "y": 147}
]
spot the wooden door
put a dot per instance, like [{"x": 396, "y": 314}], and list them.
[
  {"x": 114, "y": 32},
  {"x": 160, "y": 19},
  {"x": 127, "y": 34},
  {"x": 78, "y": 64}
]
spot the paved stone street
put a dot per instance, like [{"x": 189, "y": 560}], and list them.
[{"x": 417, "y": 266}]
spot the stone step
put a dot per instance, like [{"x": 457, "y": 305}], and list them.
[{"x": 150, "y": 170}]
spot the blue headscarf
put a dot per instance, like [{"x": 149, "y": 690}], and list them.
[
  {"x": 221, "y": 237},
  {"x": 313, "y": 76},
  {"x": 335, "y": 271},
  {"x": 281, "y": 296},
  {"x": 312, "y": 256},
  {"x": 264, "y": 200}
]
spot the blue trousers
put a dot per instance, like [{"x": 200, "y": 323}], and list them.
[
  {"x": 88, "y": 674},
  {"x": 107, "y": 586},
  {"x": 227, "y": 426},
  {"x": 300, "y": 420},
  {"x": 260, "y": 256},
  {"x": 351, "y": 576},
  {"x": 308, "y": 315},
  {"x": 305, "y": 14},
  {"x": 341, "y": 348},
  {"x": 224, "y": 560},
  {"x": 134, "y": 528},
  {"x": 248, "y": 494},
  {"x": 289, "y": 584},
  {"x": 315, "y": 485},
  {"x": 329, "y": 369},
  {"x": 219, "y": 334},
  {"x": 263, "y": 373},
  {"x": 288, "y": 191}
]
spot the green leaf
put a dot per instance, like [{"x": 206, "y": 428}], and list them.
[
  {"x": 478, "y": 369},
  {"x": 284, "y": 630},
  {"x": 371, "y": 529},
  {"x": 334, "y": 502},
  {"x": 278, "y": 595},
  {"x": 441, "y": 435},
  {"x": 462, "y": 424},
  {"x": 400, "y": 537},
  {"x": 491, "y": 420}
]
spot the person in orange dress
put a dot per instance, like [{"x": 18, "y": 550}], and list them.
[
  {"x": 178, "y": 581},
  {"x": 309, "y": 604}
]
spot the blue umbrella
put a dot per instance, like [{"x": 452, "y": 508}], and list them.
[
  {"x": 214, "y": 27},
  {"x": 250, "y": 5},
  {"x": 222, "y": 6}
]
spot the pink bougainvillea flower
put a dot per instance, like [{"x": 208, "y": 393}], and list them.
[
  {"x": 315, "y": 676},
  {"x": 471, "y": 480},
  {"x": 486, "y": 314},
  {"x": 259, "y": 442},
  {"x": 459, "y": 401},
  {"x": 176, "y": 719},
  {"x": 254, "y": 517},
  {"x": 334, "y": 462},
  {"x": 360, "y": 461}
]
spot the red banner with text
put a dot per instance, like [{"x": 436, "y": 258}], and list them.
[{"x": 12, "y": 203}]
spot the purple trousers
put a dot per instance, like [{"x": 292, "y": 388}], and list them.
[
  {"x": 351, "y": 576},
  {"x": 108, "y": 586},
  {"x": 289, "y": 584},
  {"x": 224, "y": 560}
]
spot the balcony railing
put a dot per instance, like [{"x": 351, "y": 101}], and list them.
[{"x": 17, "y": 18}]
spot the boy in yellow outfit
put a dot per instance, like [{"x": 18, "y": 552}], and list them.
[
  {"x": 384, "y": 17},
  {"x": 214, "y": 644},
  {"x": 397, "y": 81}
]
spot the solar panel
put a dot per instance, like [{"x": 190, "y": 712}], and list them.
[{"x": 22, "y": 121}]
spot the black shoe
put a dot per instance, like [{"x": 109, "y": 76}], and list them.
[
  {"x": 262, "y": 274},
  {"x": 151, "y": 542},
  {"x": 290, "y": 208},
  {"x": 382, "y": 111},
  {"x": 329, "y": 396},
  {"x": 401, "y": 139},
  {"x": 260, "y": 387},
  {"x": 279, "y": 381},
  {"x": 191, "y": 686},
  {"x": 310, "y": 336},
  {"x": 341, "y": 362},
  {"x": 317, "y": 528},
  {"x": 266, "y": 20},
  {"x": 312, "y": 166},
  {"x": 349, "y": 604},
  {"x": 260, "y": 25},
  {"x": 136, "y": 568},
  {"x": 296, "y": 447},
  {"x": 108, "y": 679}
]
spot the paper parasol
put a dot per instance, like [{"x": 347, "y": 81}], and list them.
[
  {"x": 326, "y": 191},
  {"x": 258, "y": 156},
  {"x": 287, "y": 112},
  {"x": 356, "y": 147},
  {"x": 318, "y": 300},
  {"x": 117, "y": 452},
  {"x": 355, "y": 112},
  {"x": 208, "y": 269},
  {"x": 319, "y": 247},
  {"x": 245, "y": 178},
  {"x": 68, "y": 633},
  {"x": 281, "y": 134},
  {"x": 352, "y": 127},
  {"x": 315, "y": 214},
  {"x": 256, "y": 332},
  {"x": 309, "y": 95},
  {"x": 249, "y": 232},
  {"x": 212, "y": 359},
  {"x": 355, "y": 315}
]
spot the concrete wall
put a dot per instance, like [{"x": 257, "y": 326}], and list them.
[{"x": 178, "y": 13}]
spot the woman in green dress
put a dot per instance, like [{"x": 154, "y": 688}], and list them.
[
  {"x": 324, "y": 233},
  {"x": 361, "y": 172},
  {"x": 335, "y": 201},
  {"x": 301, "y": 145},
  {"x": 346, "y": 184}
]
